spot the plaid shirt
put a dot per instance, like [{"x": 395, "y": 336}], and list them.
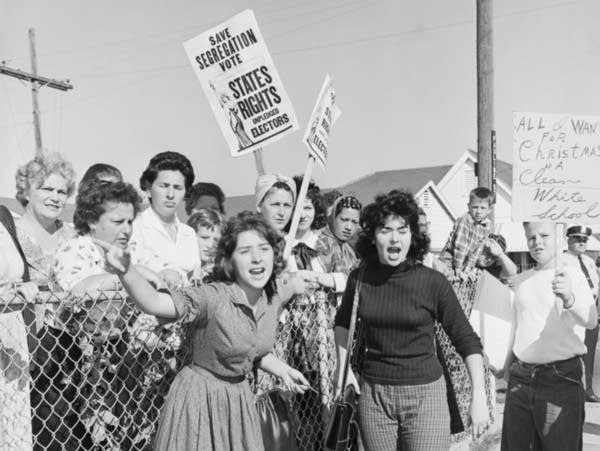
[{"x": 465, "y": 242}]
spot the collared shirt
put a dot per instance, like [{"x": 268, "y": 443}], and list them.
[
  {"x": 151, "y": 245},
  {"x": 228, "y": 335},
  {"x": 465, "y": 242},
  {"x": 545, "y": 330},
  {"x": 573, "y": 260}
]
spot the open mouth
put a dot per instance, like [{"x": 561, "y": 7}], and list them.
[
  {"x": 257, "y": 271},
  {"x": 393, "y": 252}
]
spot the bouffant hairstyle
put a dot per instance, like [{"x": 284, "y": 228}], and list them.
[
  {"x": 204, "y": 189},
  {"x": 167, "y": 161},
  {"x": 206, "y": 217},
  {"x": 314, "y": 195},
  {"x": 96, "y": 173},
  {"x": 92, "y": 203},
  {"x": 243, "y": 222},
  {"x": 33, "y": 174},
  {"x": 395, "y": 203}
]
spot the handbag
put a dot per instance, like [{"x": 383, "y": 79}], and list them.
[
  {"x": 342, "y": 429},
  {"x": 274, "y": 409}
]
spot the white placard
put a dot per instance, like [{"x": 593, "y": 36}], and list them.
[
  {"x": 321, "y": 121},
  {"x": 556, "y": 168},
  {"x": 242, "y": 84}
]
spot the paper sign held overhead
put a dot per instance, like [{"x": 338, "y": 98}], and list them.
[
  {"x": 556, "y": 167},
  {"x": 242, "y": 84},
  {"x": 321, "y": 121}
]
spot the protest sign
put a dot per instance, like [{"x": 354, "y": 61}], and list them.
[
  {"x": 321, "y": 121},
  {"x": 556, "y": 162},
  {"x": 242, "y": 84}
]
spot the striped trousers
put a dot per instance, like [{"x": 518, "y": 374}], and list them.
[{"x": 404, "y": 417}]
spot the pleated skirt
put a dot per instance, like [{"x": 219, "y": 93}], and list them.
[{"x": 205, "y": 412}]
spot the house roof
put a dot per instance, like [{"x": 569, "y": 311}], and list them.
[{"x": 367, "y": 187}]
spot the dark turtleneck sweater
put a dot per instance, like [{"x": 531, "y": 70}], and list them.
[{"x": 398, "y": 307}]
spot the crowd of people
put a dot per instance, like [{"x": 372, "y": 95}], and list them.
[{"x": 218, "y": 290}]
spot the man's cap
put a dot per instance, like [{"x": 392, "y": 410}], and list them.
[{"x": 579, "y": 230}]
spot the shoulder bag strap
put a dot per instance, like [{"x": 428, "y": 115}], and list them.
[{"x": 355, "y": 303}]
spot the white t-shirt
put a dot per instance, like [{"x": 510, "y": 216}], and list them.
[
  {"x": 545, "y": 331},
  {"x": 152, "y": 246}
]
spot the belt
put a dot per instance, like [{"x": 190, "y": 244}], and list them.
[{"x": 548, "y": 364}]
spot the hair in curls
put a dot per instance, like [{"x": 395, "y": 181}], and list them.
[
  {"x": 314, "y": 195},
  {"x": 92, "y": 202},
  {"x": 167, "y": 161},
  {"x": 204, "y": 189},
  {"x": 347, "y": 202},
  {"x": 34, "y": 173},
  {"x": 395, "y": 203},
  {"x": 244, "y": 222}
]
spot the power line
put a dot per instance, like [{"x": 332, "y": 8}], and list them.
[{"x": 384, "y": 36}]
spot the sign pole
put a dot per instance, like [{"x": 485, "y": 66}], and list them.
[
  {"x": 260, "y": 164},
  {"x": 298, "y": 208}
]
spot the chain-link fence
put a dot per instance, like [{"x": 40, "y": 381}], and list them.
[
  {"x": 83, "y": 373},
  {"x": 87, "y": 373}
]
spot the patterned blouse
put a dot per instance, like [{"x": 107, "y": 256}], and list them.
[
  {"x": 40, "y": 261},
  {"x": 76, "y": 260}
]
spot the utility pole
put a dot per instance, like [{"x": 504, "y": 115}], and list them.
[
  {"x": 485, "y": 94},
  {"x": 37, "y": 82}
]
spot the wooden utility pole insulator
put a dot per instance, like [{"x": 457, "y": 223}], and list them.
[{"x": 485, "y": 93}]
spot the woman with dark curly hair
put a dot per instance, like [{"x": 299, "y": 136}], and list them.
[
  {"x": 104, "y": 212},
  {"x": 403, "y": 402},
  {"x": 210, "y": 405},
  {"x": 159, "y": 240}
]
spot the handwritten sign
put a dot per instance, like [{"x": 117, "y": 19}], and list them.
[
  {"x": 556, "y": 173},
  {"x": 242, "y": 84},
  {"x": 321, "y": 121}
]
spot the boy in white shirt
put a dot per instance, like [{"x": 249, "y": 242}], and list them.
[{"x": 544, "y": 407}]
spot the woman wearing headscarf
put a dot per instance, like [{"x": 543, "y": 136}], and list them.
[{"x": 335, "y": 251}]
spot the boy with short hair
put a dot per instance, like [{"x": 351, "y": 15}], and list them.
[
  {"x": 544, "y": 407},
  {"x": 470, "y": 232}
]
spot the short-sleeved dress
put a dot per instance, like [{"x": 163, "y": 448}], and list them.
[{"x": 210, "y": 405}]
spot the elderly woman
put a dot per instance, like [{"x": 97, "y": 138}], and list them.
[
  {"x": 159, "y": 240},
  {"x": 43, "y": 186},
  {"x": 15, "y": 414},
  {"x": 403, "y": 402}
]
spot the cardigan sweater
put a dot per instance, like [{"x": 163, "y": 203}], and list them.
[{"x": 398, "y": 307}]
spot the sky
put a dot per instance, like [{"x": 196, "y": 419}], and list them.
[{"x": 404, "y": 72}]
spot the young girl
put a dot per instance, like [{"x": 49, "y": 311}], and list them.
[{"x": 210, "y": 405}]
